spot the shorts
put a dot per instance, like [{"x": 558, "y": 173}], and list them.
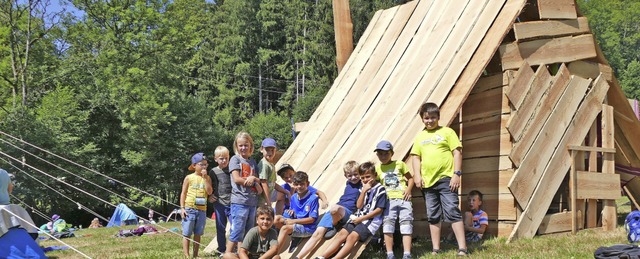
[
  {"x": 361, "y": 229},
  {"x": 398, "y": 209},
  {"x": 243, "y": 218},
  {"x": 441, "y": 202},
  {"x": 300, "y": 231},
  {"x": 327, "y": 221},
  {"x": 193, "y": 222}
]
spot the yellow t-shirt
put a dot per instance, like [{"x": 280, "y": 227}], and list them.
[
  {"x": 392, "y": 178},
  {"x": 196, "y": 189},
  {"x": 435, "y": 148}
]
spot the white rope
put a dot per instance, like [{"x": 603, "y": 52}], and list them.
[
  {"x": 51, "y": 236},
  {"x": 33, "y": 209}
]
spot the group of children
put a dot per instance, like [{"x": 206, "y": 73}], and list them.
[{"x": 375, "y": 195}]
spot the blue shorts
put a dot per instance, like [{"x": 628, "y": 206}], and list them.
[
  {"x": 193, "y": 222},
  {"x": 361, "y": 229},
  {"x": 300, "y": 231},
  {"x": 243, "y": 218},
  {"x": 441, "y": 202},
  {"x": 327, "y": 221}
]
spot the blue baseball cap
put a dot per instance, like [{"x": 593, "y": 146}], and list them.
[
  {"x": 384, "y": 146},
  {"x": 269, "y": 142},
  {"x": 196, "y": 159}
]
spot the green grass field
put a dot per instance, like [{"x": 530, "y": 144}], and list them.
[{"x": 101, "y": 243}]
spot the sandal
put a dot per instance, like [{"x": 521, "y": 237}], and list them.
[
  {"x": 462, "y": 252},
  {"x": 435, "y": 251}
]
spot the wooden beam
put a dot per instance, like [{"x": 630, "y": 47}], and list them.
[
  {"x": 486, "y": 83},
  {"x": 483, "y": 127},
  {"x": 517, "y": 89},
  {"x": 555, "y": 223},
  {"x": 550, "y": 28},
  {"x": 299, "y": 126},
  {"x": 573, "y": 191},
  {"x": 591, "y": 185},
  {"x": 592, "y": 149},
  {"x": 632, "y": 189},
  {"x": 343, "y": 31},
  {"x": 552, "y": 178},
  {"x": 609, "y": 215},
  {"x": 588, "y": 69},
  {"x": 485, "y": 104},
  {"x": 491, "y": 182},
  {"x": 547, "y": 51},
  {"x": 524, "y": 113},
  {"x": 485, "y": 164},
  {"x": 557, "y": 9},
  {"x": 489, "y": 146},
  {"x": 498, "y": 206}
]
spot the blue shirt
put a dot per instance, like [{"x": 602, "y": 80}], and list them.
[
  {"x": 5, "y": 180},
  {"x": 306, "y": 207},
  {"x": 312, "y": 190},
  {"x": 350, "y": 196}
]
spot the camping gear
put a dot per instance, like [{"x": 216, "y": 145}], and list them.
[
  {"x": 123, "y": 215},
  {"x": 17, "y": 233},
  {"x": 632, "y": 226},
  {"x": 617, "y": 251}
]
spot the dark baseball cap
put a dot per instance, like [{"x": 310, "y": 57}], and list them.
[{"x": 384, "y": 146}]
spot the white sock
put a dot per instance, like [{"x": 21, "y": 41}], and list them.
[
  {"x": 407, "y": 253},
  {"x": 390, "y": 253}
]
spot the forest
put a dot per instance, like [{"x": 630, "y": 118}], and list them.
[{"x": 113, "y": 97}]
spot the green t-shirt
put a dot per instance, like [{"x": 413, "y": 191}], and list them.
[
  {"x": 266, "y": 171},
  {"x": 435, "y": 148},
  {"x": 254, "y": 244},
  {"x": 392, "y": 177}
]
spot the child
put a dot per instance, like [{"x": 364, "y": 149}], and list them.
[
  {"x": 476, "y": 220},
  {"x": 437, "y": 155},
  {"x": 245, "y": 190},
  {"x": 95, "y": 223},
  {"x": 392, "y": 176},
  {"x": 262, "y": 240},
  {"x": 301, "y": 219},
  {"x": 286, "y": 172},
  {"x": 362, "y": 226},
  {"x": 266, "y": 173},
  {"x": 193, "y": 202},
  {"x": 340, "y": 212},
  {"x": 221, "y": 197}
]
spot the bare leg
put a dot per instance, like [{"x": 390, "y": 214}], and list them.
[
  {"x": 335, "y": 243},
  {"x": 458, "y": 230},
  {"x": 284, "y": 232},
  {"x": 352, "y": 239},
  {"x": 435, "y": 235},
  {"x": 337, "y": 213},
  {"x": 185, "y": 246},
  {"x": 196, "y": 245},
  {"x": 388, "y": 242},
  {"x": 279, "y": 203},
  {"x": 229, "y": 252},
  {"x": 312, "y": 242},
  {"x": 406, "y": 243}
]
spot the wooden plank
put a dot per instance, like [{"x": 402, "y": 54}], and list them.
[
  {"x": 489, "y": 146},
  {"x": 518, "y": 88},
  {"x": 609, "y": 216},
  {"x": 573, "y": 192},
  {"x": 592, "y": 204},
  {"x": 592, "y": 185},
  {"x": 485, "y": 104},
  {"x": 557, "y": 9},
  {"x": 483, "y": 127},
  {"x": 485, "y": 164},
  {"x": 343, "y": 28},
  {"x": 486, "y": 83},
  {"x": 524, "y": 113},
  {"x": 498, "y": 206},
  {"x": 547, "y": 51},
  {"x": 588, "y": 69},
  {"x": 555, "y": 223},
  {"x": 533, "y": 162},
  {"x": 533, "y": 213},
  {"x": 624, "y": 148},
  {"x": 632, "y": 189},
  {"x": 299, "y": 126},
  {"x": 542, "y": 111},
  {"x": 550, "y": 28},
  {"x": 496, "y": 229},
  {"x": 592, "y": 149},
  {"x": 491, "y": 182}
]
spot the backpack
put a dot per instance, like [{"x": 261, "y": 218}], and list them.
[{"x": 632, "y": 226}]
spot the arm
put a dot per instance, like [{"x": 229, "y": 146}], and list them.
[
  {"x": 371, "y": 215},
  {"x": 323, "y": 199},
  {"x": 410, "y": 183},
  {"x": 415, "y": 168},
  {"x": 457, "y": 166},
  {"x": 10, "y": 188},
  {"x": 360, "y": 201},
  {"x": 208, "y": 187},
  {"x": 273, "y": 251},
  {"x": 183, "y": 196},
  {"x": 243, "y": 253},
  {"x": 282, "y": 190},
  {"x": 265, "y": 186},
  {"x": 302, "y": 221}
]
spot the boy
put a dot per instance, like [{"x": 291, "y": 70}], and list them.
[
  {"x": 398, "y": 182},
  {"x": 437, "y": 155},
  {"x": 262, "y": 240},
  {"x": 286, "y": 172},
  {"x": 266, "y": 173},
  {"x": 334, "y": 219},
  {"x": 193, "y": 202},
  {"x": 476, "y": 220},
  {"x": 300, "y": 220},
  {"x": 6, "y": 187},
  {"x": 362, "y": 226},
  {"x": 221, "y": 197}
]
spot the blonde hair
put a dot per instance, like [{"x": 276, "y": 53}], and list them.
[
  {"x": 350, "y": 167},
  {"x": 246, "y": 136},
  {"x": 220, "y": 151}
]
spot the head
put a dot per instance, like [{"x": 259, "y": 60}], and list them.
[
  {"x": 384, "y": 151},
  {"x": 243, "y": 145},
  {"x": 430, "y": 115},
  {"x": 301, "y": 182},
  {"x": 351, "y": 172},
  {"x": 198, "y": 162},
  {"x": 286, "y": 172},
  {"x": 268, "y": 149},
  {"x": 367, "y": 172},
  {"x": 474, "y": 199},
  {"x": 221, "y": 156},
  {"x": 264, "y": 217},
  {"x": 55, "y": 217}
]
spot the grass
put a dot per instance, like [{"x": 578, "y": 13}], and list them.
[{"x": 101, "y": 243}]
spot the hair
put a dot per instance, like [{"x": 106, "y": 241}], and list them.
[
  {"x": 281, "y": 171},
  {"x": 350, "y": 166},
  {"x": 475, "y": 193},
  {"x": 220, "y": 150},
  {"x": 369, "y": 167},
  {"x": 262, "y": 210},
  {"x": 300, "y": 177},
  {"x": 429, "y": 108},
  {"x": 246, "y": 136}
]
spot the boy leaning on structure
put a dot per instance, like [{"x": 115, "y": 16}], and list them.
[
  {"x": 395, "y": 177},
  {"x": 267, "y": 173},
  {"x": 437, "y": 155}
]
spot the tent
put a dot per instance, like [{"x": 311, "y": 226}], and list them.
[
  {"x": 16, "y": 234},
  {"x": 123, "y": 215}
]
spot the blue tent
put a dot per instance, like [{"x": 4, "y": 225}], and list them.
[
  {"x": 123, "y": 215},
  {"x": 17, "y": 243}
]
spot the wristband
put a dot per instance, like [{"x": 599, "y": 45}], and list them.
[{"x": 457, "y": 172}]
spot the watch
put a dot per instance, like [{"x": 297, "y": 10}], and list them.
[{"x": 457, "y": 172}]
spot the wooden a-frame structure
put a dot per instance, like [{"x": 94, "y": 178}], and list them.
[{"x": 546, "y": 129}]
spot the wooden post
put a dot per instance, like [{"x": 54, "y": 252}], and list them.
[
  {"x": 592, "y": 204},
  {"x": 609, "y": 216},
  {"x": 343, "y": 30},
  {"x": 573, "y": 191}
]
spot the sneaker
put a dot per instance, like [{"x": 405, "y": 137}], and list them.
[
  {"x": 294, "y": 243},
  {"x": 390, "y": 256},
  {"x": 331, "y": 233},
  {"x": 406, "y": 256}
]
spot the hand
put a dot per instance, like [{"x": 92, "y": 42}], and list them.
[
  {"x": 357, "y": 220},
  {"x": 289, "y": 212},
  {"x": 407, "y": 195},
  {"x": 323, "y": 205},
  {"x": 183, "y": 213},
  {"x": 250, "y": 181},
  {"x": 203, "y": 172},
  {"x": 212, "y": 199},
  {"x": 454, "y": 184},
  {"x": 366, "y": 187}
]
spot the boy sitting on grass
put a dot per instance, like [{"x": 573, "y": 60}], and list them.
[{"x": 262, "y": 240}]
